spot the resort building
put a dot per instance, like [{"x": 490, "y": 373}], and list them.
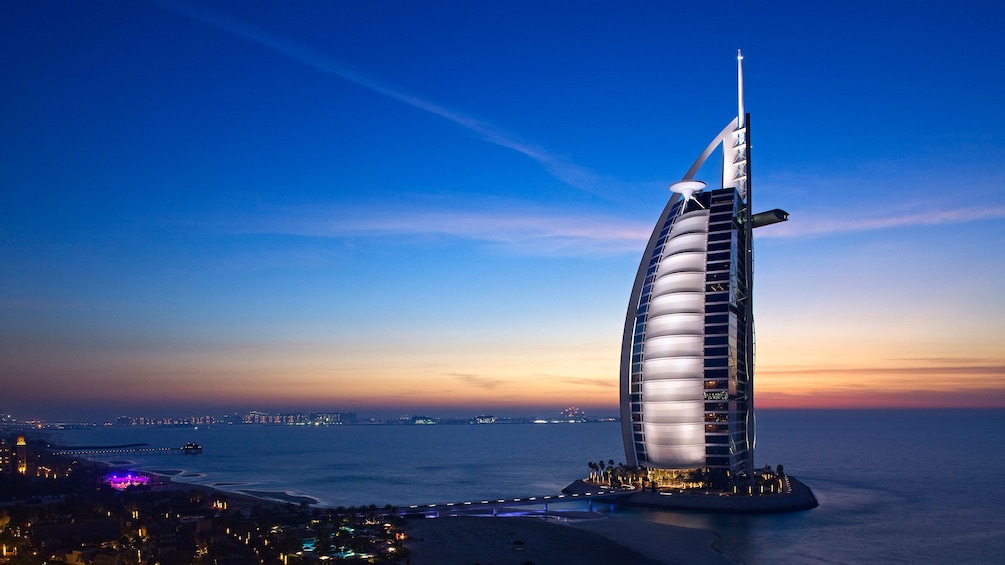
[{"x": 687, "y": 358}]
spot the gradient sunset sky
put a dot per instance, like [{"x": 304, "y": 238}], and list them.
[{"x": 439, "y": 207}]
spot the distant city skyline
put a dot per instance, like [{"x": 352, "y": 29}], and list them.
[
  {"x": 408, "y": 208},
  {"x": 183, "y": 417}
]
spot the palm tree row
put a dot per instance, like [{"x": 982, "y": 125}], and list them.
[{"x": 615, "y": 475}]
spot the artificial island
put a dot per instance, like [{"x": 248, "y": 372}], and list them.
[{"x": 687, "y": 354}]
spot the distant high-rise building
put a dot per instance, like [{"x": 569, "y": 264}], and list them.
[
  {"x": 6, "y": 457},
  {"x": 687, "y": 358},
  {"x": 21, "y": 454}
]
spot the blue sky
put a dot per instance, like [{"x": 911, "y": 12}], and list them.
[{"x": 400, "y": 207}]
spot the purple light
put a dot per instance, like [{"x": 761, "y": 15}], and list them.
[{"x": 121, "y": 482}]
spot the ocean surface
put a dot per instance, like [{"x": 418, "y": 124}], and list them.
[{"x": 901, "y": 486}]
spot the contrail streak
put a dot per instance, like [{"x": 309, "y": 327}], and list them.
[
  {"x": 533, "y": 233},
  {"x": 565, "y": 171}
]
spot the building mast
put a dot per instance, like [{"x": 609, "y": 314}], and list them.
[
  {"x": 748, "y": 226},
  {"x": 739, "y": 90}
]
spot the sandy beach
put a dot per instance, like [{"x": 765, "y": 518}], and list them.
[
  {"x": 592, "y": 540},
  {"x": 557, "y": 538}
]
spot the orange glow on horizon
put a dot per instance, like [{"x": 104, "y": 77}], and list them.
[{"x": 511, "y": 377}]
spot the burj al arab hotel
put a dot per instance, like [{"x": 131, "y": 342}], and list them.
[{"x": 687, "y": 355}]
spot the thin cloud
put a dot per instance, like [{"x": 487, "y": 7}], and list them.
[
  {"x": 983, "y": 377},
  {"x": 549, "y": 233},
  {"x": 585, "y": 381},
  {"x": 565, "y": 171},
  {"x": 531, "y": 233},
  {"x": 949, "y": 361},
  {"x": 869, "y": 398},
  {"x": 477, "y": 380},
  {"x": 810, "y": 226},
  {"x": 992, "y": 369}
]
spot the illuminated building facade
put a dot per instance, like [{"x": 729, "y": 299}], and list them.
[
  {"x": 21, "y": 452},
  {"x": 6, "y": 460},
  {"x": 687, "y": 358}
]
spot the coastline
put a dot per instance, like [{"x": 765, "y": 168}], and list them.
[
  {"x": 242, "y": 498},
  {"x": 281, "y": 496},
  {"x": 551, "y": 537},
  {"x": 169, "y": 479},
  {"x": 555, "y": 537},
  {"x": 559, "y": 538}
]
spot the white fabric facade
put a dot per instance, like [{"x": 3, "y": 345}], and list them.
[{"x": 672, "y": 372}]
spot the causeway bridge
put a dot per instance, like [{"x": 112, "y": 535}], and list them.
[{"x": 494, "y": 506}]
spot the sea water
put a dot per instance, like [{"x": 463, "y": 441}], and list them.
[
  {"x": 372, "y": 464},
  {"x": 894, "y": 486},
  {"x": 901, "y": 486}
]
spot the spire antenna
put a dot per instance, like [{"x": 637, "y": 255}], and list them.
[{"x": 740, "y": 117}]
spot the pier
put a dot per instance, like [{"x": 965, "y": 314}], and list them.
[{"x": 189, "y": 448}]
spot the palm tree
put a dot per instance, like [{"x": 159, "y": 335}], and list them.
[
  {"x": 634, "y": 473},
  {"x": 621, "y": 472},
  {"x": 324, "y": 544}
]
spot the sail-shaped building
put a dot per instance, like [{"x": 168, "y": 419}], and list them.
[{"x": 687, "y": 358}]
